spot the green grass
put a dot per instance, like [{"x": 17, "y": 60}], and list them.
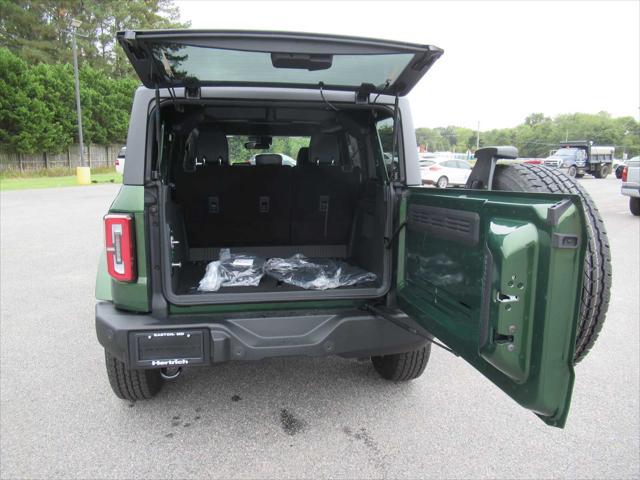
[{"x": 29, "y": 181}]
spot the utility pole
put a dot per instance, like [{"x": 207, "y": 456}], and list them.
[
  {"x": 83, "y": 172},
  {"x": 478, "y": 136}
]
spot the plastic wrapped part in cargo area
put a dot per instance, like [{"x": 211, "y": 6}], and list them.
[
  {"x": 232, "y": 271},
  {"x": 317, "y": 273}
]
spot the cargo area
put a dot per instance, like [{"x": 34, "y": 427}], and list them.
[{"x": 273, "y": 182}]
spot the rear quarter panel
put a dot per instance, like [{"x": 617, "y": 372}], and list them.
[{"x": 132, "y": 296}]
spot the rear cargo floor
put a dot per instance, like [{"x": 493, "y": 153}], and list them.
[{"x": 192, "y": 272}]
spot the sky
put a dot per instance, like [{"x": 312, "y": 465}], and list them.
[{"x": 502, "y": 61}]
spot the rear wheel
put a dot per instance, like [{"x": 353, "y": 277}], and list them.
[
  {"x": 572, "y": 171},
  {"x": 401, "y": 367},
  {"x": 442, "y": 182},
  {"x": 132, "y": 384},
  {"x": 596, "y": 288},
  {"x": 602, "y": 172},
  {"x": 634, "y": 205}
]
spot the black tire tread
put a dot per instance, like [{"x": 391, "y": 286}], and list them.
[
  {"x": 634, "y": 205},
  {"x": 602, "y": 172},
  {"x": 596, "y": 290},
  {"x": 402, "y": 367},
  {"x": 132, "y": 384}
]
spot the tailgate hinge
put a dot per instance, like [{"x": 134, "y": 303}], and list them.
[
  {"x": 363, "y": 93},
  {"x": 429, "y": 338}
]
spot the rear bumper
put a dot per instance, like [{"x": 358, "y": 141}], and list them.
[
  {"x": 352, "y": 333},
  {"x": 630, "y": 189}
]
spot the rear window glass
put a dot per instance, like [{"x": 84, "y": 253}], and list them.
[
  {"x": 235, "y": 66},
  {"x": 426, "y": 163},
  {"x": 287, "y": 147}
]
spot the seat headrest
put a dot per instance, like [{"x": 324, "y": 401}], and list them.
[
  {"x": 268, "y": 159},
  {"x": 324, "y": 150},
  {"x": 212, "y": 146},
  {"x": 303, "y": 156}
]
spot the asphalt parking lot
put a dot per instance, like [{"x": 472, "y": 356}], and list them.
[{"x": 293, "y": 418}]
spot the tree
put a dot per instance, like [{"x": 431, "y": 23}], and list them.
[
  {"x": 539, "y": 134},
  {"x": 37, "y": 105},
  {"x": 536, "y": 119},
  {"x": 38, "y": 31}
]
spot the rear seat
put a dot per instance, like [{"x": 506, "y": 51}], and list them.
[
  {"x": 267, "y": 204},
  {"x": 199, "y": 186},
  {"x": 324, "y": 195},
  {"x": 262, "y": 201}
]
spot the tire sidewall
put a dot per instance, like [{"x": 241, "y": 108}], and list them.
[{"x": 596, "y": 290}]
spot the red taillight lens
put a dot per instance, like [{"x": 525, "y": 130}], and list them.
[
  {"x": 625, "y": 171},
  {"x": 119, "y": 242},
  {"x": 435, "y": 168},
  {"x": 117, "y": 162}
]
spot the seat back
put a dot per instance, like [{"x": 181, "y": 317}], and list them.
[
  {"x": 200, "y": 186},
  {"x": 267, "y": 203},
  {"x": 268, "y": 159},
  {"x": 324, "y": 195}
]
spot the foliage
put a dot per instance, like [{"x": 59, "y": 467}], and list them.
[
  {"x": 286, "y": 145},
  {"x": 37, "y": 105},
  {"x": 540, "y": 134},
  {"x": 39, "y": 31}
]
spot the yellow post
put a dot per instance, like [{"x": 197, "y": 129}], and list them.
[{"x": 83, "y": 175}]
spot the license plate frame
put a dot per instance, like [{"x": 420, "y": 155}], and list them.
[{"x": 169, "y": 348}]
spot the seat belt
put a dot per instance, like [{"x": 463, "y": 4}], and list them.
[{"x": 324, "y": 208}]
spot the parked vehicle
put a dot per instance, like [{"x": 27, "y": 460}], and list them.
[
  {"x": 120, "y": 160},
  {"x": 581, "y": 157},
  {"x": 618, "y": 167},
  {"x": 631, "y": 184},
  {"x": 345, "y": 253},
  {"x": 443, "y": 172}
]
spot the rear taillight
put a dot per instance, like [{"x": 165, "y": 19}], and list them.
[
  {"x": 117, "y": 162},
  {"x": 625, "y": 171},
  {"x": 119, "y": 242},
  {"x": 435, "y": 168}
]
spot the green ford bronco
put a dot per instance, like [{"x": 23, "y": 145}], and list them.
[{"x": 272, "y": 206}]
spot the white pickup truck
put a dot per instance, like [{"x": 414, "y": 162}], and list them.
[{"x": 631, "y": 184}]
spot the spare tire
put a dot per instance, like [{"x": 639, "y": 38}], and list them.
[{"x": 596, "y": 288}]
